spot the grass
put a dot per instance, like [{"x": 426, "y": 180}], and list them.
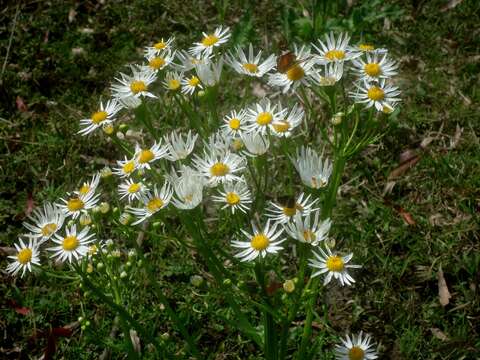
[{"x": 396, "y": 299}]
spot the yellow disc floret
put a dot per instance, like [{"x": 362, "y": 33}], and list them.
[
  {"x": 373, "y": 69},
  {"x": 335, "y": 263},
  {"x": 232, "y": 198},
  {"x": 173, "y": 84},
  {"x": 334, "y": 55},
  {"x": 146, "y": 156},
  {"x": 234, "y": 124},
  {"x": 289, "y": 211},
  {"x": 281, "y": 126},
  {"x": 375, "y": 93},
  {"x": 309, "y": 236},
  {"x": 49, "y": 229},
  {"x": 70, "y": 243},
  {"x": 24, "y": 256},
  {"x": 219, "y": 169},
  {"x": 75, "y": 204},
  {"x": 356, "y": 353},
  {"x": 138, "y": 86},
  {"x": 295, "y": 73},
  {"x": 128, "y": 167},
  {"x": 259, "y": 242},
  {"x": 366, "y": 47},
  {"x": 84, "y": 189},
  {"x": 264, "y": 118},
  {"x": 155, "y": 204},
  {"x": 251, "y": 68},
  {"x": 160, "y": 45},
  {"x": 209, "y": 40},
  {"x": 156, "y": 63},
  {"x": 133, "y": 188},
  {"x": 194, "y": 81},
  {"x": 99, "y": 117}
]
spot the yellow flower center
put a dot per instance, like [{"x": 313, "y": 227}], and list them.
[
  {"x": 295, "y": 73},
  {"x": 98, "y": 117},
  {"x": 289, "y": 211},
  {"x": 356, "y": 353},
  {"x": 373, "y": 69},
  {"x": 264, "y": 118},
  {"x": 133, "y": 188},
  {"x": 84, "y": 189},
  {"x": 237, "y": 144},
  {"x": 375, "y": 93},
  {"x": 75, "y": 204},
  {"x": 154, "y": 204},
  {"x": 145, "y": 156},
  {"x": 334, "y": 55},
  {"x": 194, "y": 81},
  {"x": 173, "y": 84},
  {"x": 366, "y": 47},
  {"x": 251, "y": 68},
  {"x": 309, "y": 236},
  {"x": 232, "y": 198},
  {"x": 335, "y": 263},
  {"x": 160, "y": 45},
  {"x": 138, "y": 86},
  {"x": 234, "y": 124},
  {"x": 259, "y": 242},
  {"x": 70, "y": 243},
  {"x": 128, "y": 167},
  {"x": 156, "y": 63},
  {"x": 49, "y": 229},
  {"x": 108, "y": 129},
  {"x": 24, "y": 256},
  {"x": 209, "y": 40},
  {"x": 281, "y": 126},
  {"x": 219, "y": 169}
]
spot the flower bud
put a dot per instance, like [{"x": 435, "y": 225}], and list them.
[
  {"x": 289, "y": 286},
  {"x": 123, "y": 275},
  {"x": 106, "y": 172},
  {"x": 104, "y": 207},
  {"x": 227, "y": 282},
  {"x": 120, "y": 135},
  {"x": 337, "y": 118},
  {"x": 108, "y": 129},
  {"x": 85, "y": 219},
  {"x": 196, "y": 280}
]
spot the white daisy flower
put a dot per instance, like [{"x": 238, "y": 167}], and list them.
[
  {"x": 152, "y": 203},
  {"x": 334, "y": 50},
  {"x": 188, "y": 62},
  {"x": 132, "y": 190},
  {"x": 26, "y": 256},
  {"x": 89, "y": 186},
  {"x": 285, "y": 126},
  {"x": 218, "y": 143},
  {"x": 127, "y": 102},
  {"x": 234, "y": 123},
  {"x": 306, "y": 231},
  {"x": 313, "y": 169},
  {"x": 210, "y": 73},
  {"x": 379, "y": 94},
  {"x": 104, "y": 115},
  {"x": 191, "y": 84},
  {"x": 145, "y": 157},
  {"x": 262, "y": 115},
  {"x": 125, "y": 167},
  {"x": 188, "y": 188},
  {"x": 260, "y": 243},
  {"x": 335, "y": 266},
  {"x": 77, "y": 204},
  {"x": 235, "y": 196},
  {"x": 285, "y": 213},
  {"x": 357, "y": 347},
  {"x": 159, "y": 61},
  {"x": 173, "y": 81},
  {"x": 298, "y": 74},
  {"x": 209, "y": 41},
  {"x": 329, "y": 75},
  {"x": 377, "y": 66},
  {"x": 179, "y": 146},
  {"x": 219, "y": 168},
  {"x": 46, "y": 221},
  {"x": 160, "y": 47},
  {"x": 256, "y": 143},
  {"x": 250, "y": 66},
  {"x": 73, "y": 245},
  {"x": 365, "y": 48},
  {"x": 135, "y": 85}
]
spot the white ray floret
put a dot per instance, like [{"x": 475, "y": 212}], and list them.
[
  {"x": 160, "y": 47},
  {"x": 159, "y": 61},
  {"x": 210, "y": 73},
  {"x": 314, "y": 170},
  {"x": 356, "y": 347},
  {"x": 251, "y": 66},
  {"x": 188, "y": 62},
  {"x": 285, "y": 126},
  {"x": 135, "y": 85},
  {"x": 333, "y": 265},
  {"x": 283, "y": 214},
  {"x": 255, "y": 143},
  {"x": 376, "y": 66},
  {"x": 328, "y": 74},
  {"x": 125, "y": 167},
  {"x": 26, "y": 256},
  {"x": 103, "y": 116},
  {"x": 379, "y": 94},
  {"x": 179, "y": 145},
  {"x": 76, "y": 204},
  {"x": 188, "y": 188},
  {"x": 191, "y": 84},
  {"x": 145, "y": 157},
  {"x": 45, "y": 221},
  {"x": 234, "y": 123},
  {"x": 219, "y": 168},
  {"x": 153, "y": 202},
  {"x": 89, "y": 186},
  {"x": 132, "y": 190},
  {"x": 334, "y": 49},
  {"x": 261, "y": 242},
  {"x": 309, "y": 229},
  {"x": 210, "y": 41},
  {"x": 263, "y": 115},
  {"x": 173, "y": 81},
  {"x": 73, "y": 246},
  {"x": 235, "y": 196}
]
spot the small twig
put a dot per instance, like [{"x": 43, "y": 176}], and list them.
[{"x": 10, "y": 39}]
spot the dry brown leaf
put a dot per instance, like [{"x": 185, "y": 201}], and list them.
[
  {"x": 403, "y": 167},
  {"x": 388, "y": 187},
  {"x": 135, "y": 341},
  {"x": 426, "y": 141},
  {"x": 443, "y": 293},
  {"x": 21, "y": 106},
  {"x": 258, "y": 90},
  {"x": 456, "y": 138},
  {"x": 406, "y": 216},
  {"x": 439, "y": 334}
]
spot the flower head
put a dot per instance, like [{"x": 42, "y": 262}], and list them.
[
  {"x": 313, "y": 169},
  {"x": 334, "y": 49},
  {"x": 376, "y": 66},
  {"x": 153, "y": 202},
  {"x": 173, "y": 81},
  {"x": 263, "y": 115},
  {"x": 125, "y": 167},
  {"x": 334, "y": 265},
  {"x": 234, "y": 123},
  {"x": 210, "y": 41},
  {"x": 158, "y": 61},
  {"x": 256, "y": 143},
  {"x": 46, "y": 221},
  {"x": 329, "y": 74},
  {"x": 307, "y": 229},
  {"x": 179, "y": 146},
  {"x": 135, "y": 85},
  {"x": 132, "y": 190},
  {"x": 286, "y": 212},
  {"x": 191, "y": 84},
  {"x": 26, "y": 256},
  {"x": 235, "y": 196},
  {"x": 284, "y": 127},
  {"x": 250, "y": 66},
  {"x": 219, "y": 168},
  {"x": 188, "y": 188},
  {"x": 160, "y": 47},
  {"x": 103, "y": 116},
  {"x": 78, "y": 203},
  {"x": 144, "y": 157},
  {"x": 379, "y": 94},
  {"x": 74, "y": 245},
  {"x": 357, "y": 347}
]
